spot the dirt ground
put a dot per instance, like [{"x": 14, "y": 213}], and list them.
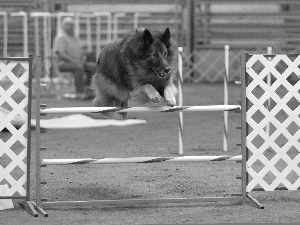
[{"x": 159, "y": 137}]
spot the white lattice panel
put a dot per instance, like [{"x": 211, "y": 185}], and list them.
[
  {"x": 274, "y": 158},
  {"x": 13, "y": 144}
]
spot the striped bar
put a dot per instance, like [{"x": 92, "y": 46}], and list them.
[
  {"x": 180, "y": 102},
  {"x": 140, "y": 160},
  {"x": 226, "y": 77},
  {"x": 141, "y": 201},
  {"x": 142, "y": 109}
]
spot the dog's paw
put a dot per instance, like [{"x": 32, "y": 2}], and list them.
[
  {"x": 171, "y": 100},
  {"x": 151, "y": 92},
  {"x": 155, "y": 97}
]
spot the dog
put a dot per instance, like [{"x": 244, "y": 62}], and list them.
[{"x": 141, "y": 66}]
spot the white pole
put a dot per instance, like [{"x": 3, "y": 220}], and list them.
[
  {"x": 25, "y": 24},
  {"x": 46, "y": 38},
  {"x": 109, "y": 30},
  {"x": 37, "y": 36},
  {"x": 98, "y": 36},
  {"x": 180, "y": 100},
  {"x": 115, "y": 29},
  {"x": 116, "y": 16},
  {"x": 226, "y": 76},
  {"x": 5, "y": 33},
  {"x": 108, "y": 21},
  {"x": 135, "y": 20},
  {"x": 25, "y": 30},
  {"x": 45, "y": 34},
  {"x": 49, "y": 44},
  {"x": 269, "y": 51},
  {"x": 88, "y": 34}
]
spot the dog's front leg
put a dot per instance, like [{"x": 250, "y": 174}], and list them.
[
  {"x": 152, "y": 94},
  {"x": 169, "y": 94}
]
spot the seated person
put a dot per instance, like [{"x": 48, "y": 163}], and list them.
[{"x": 71, "y": 58}]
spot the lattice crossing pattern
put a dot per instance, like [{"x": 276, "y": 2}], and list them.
[
  {"x": 273, "y": 156},
  {"x": 14, "y": 96}
]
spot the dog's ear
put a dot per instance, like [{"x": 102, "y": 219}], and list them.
[
  {"x": 147, "y": 38},
  {"x": 165, "y": 38}
]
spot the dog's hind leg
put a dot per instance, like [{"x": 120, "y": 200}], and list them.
[
  {"x": 124, "y": 105},
  {"x": 103, "y": 100},
  {"x": 120, "y": 104}
]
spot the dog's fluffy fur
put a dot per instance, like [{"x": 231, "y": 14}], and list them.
[{"x": 142, "y": 62}]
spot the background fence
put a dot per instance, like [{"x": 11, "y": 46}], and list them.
[
  {"x": 202, "y": 27},
  {"x": 207, "y": 64}
]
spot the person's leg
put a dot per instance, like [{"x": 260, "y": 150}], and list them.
[
  {"x": 78, "y": 73},
  {"x": 89, "y": 69}
]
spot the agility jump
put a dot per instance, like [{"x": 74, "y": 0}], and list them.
[
  {"x": 250, "y": 180},
  {"x": 251, "y": 128},
  {"x": 42, "y": 110}
]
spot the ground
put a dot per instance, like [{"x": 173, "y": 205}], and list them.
[{"x": 202, "y": 136}]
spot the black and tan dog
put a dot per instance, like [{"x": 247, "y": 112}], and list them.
[{"x": 142, "y": 62}]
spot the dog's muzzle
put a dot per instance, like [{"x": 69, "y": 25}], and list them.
[{"x": 162, "y": 73}]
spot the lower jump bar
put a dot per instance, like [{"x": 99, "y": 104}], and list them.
[
  {"x": 140, "y": 160},
  {"x": 142, "y": 109},
  {"x": 141, "y": 201}
]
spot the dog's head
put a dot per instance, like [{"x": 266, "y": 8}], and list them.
[{"x": 156, "y": 52}]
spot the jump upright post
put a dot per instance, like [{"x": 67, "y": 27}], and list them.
[
  {"x": 5, "y": 33},
  {"x": 180, "y": 101},
  {"x": 46, "y": 16},
  {"x": 272, "y": 155},
  {"x": 15, "y": 146},
  {"x": 226, "y": 77}
]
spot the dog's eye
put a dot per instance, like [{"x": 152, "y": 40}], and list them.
[{"x": 154, "y": 54}]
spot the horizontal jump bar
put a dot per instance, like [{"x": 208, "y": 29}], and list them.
[
  {"x": 141, "y": 201},
  {"x": 140, "y": 160},
  {"x": 141, "y": 109}
]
